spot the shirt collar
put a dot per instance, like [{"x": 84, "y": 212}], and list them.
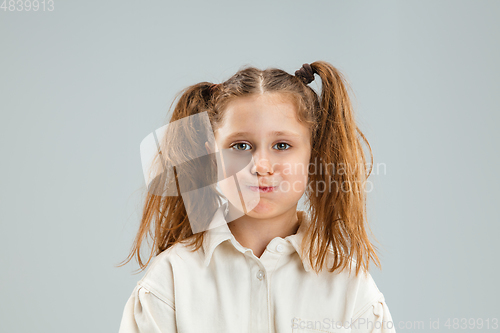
[{"x": 219, "y": 232}]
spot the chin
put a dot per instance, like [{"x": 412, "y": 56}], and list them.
[{"x": 263, "y": 209}]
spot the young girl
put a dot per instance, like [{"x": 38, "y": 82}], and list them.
[{"x": 230, "y": 252}]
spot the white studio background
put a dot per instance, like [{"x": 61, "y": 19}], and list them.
[{"x": 82, "y": 85}]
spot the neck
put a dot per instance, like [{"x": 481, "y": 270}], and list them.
[{"x": 256, "y": 233}]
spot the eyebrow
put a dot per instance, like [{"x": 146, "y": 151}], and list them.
[{"x": 273, "y": 133}]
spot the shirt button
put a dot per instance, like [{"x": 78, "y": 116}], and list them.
[
  {"x": 279, "y": 248},
  {"x": 260, "y": 275}
]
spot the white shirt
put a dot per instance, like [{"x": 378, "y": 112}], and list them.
[{"x": 224, "y": 287}]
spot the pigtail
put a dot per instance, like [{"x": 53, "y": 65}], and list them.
[
  {"x": 165, "y": 218},
  {"x": 194, "y": 99},
  {"x": 338, "y": 190}
]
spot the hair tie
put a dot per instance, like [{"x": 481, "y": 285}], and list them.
[{"x": 305, "y": 73}]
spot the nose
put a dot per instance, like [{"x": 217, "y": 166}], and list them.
[{"x": 262, "y": 165}]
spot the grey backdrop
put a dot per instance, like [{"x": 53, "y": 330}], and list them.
[{"x": 82, "y": 85}]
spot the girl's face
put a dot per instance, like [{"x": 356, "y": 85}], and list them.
[{"x": 264, "y": 130}]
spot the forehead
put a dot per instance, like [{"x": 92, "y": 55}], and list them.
[{"x": 268, "y": 112}]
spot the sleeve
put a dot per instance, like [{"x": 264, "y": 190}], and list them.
[
  {"x": 376, "y": 319},
  {"x": 146, "y": 311}
]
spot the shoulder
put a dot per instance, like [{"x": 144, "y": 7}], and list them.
[
  {"x": 163, "y": 269},
  {"x": 360, "y": 289},
  {"x": 362, "y": 281}
]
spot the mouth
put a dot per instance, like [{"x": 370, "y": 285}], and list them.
[{"x": 263, "y": 189}]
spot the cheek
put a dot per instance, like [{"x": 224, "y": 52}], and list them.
[
  {"x": 296, "y": 167},
  {"x": 295, "y": 177}
]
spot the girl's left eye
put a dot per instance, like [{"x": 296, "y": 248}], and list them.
[{"x": 282, "y": 143}]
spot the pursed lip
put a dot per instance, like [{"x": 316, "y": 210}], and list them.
[{"x": 263, "y": 188}]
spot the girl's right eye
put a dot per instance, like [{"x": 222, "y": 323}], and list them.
[{"x": 239, "y": 144}]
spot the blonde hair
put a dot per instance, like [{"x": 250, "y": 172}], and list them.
[{"x": 338, "y": 221}]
